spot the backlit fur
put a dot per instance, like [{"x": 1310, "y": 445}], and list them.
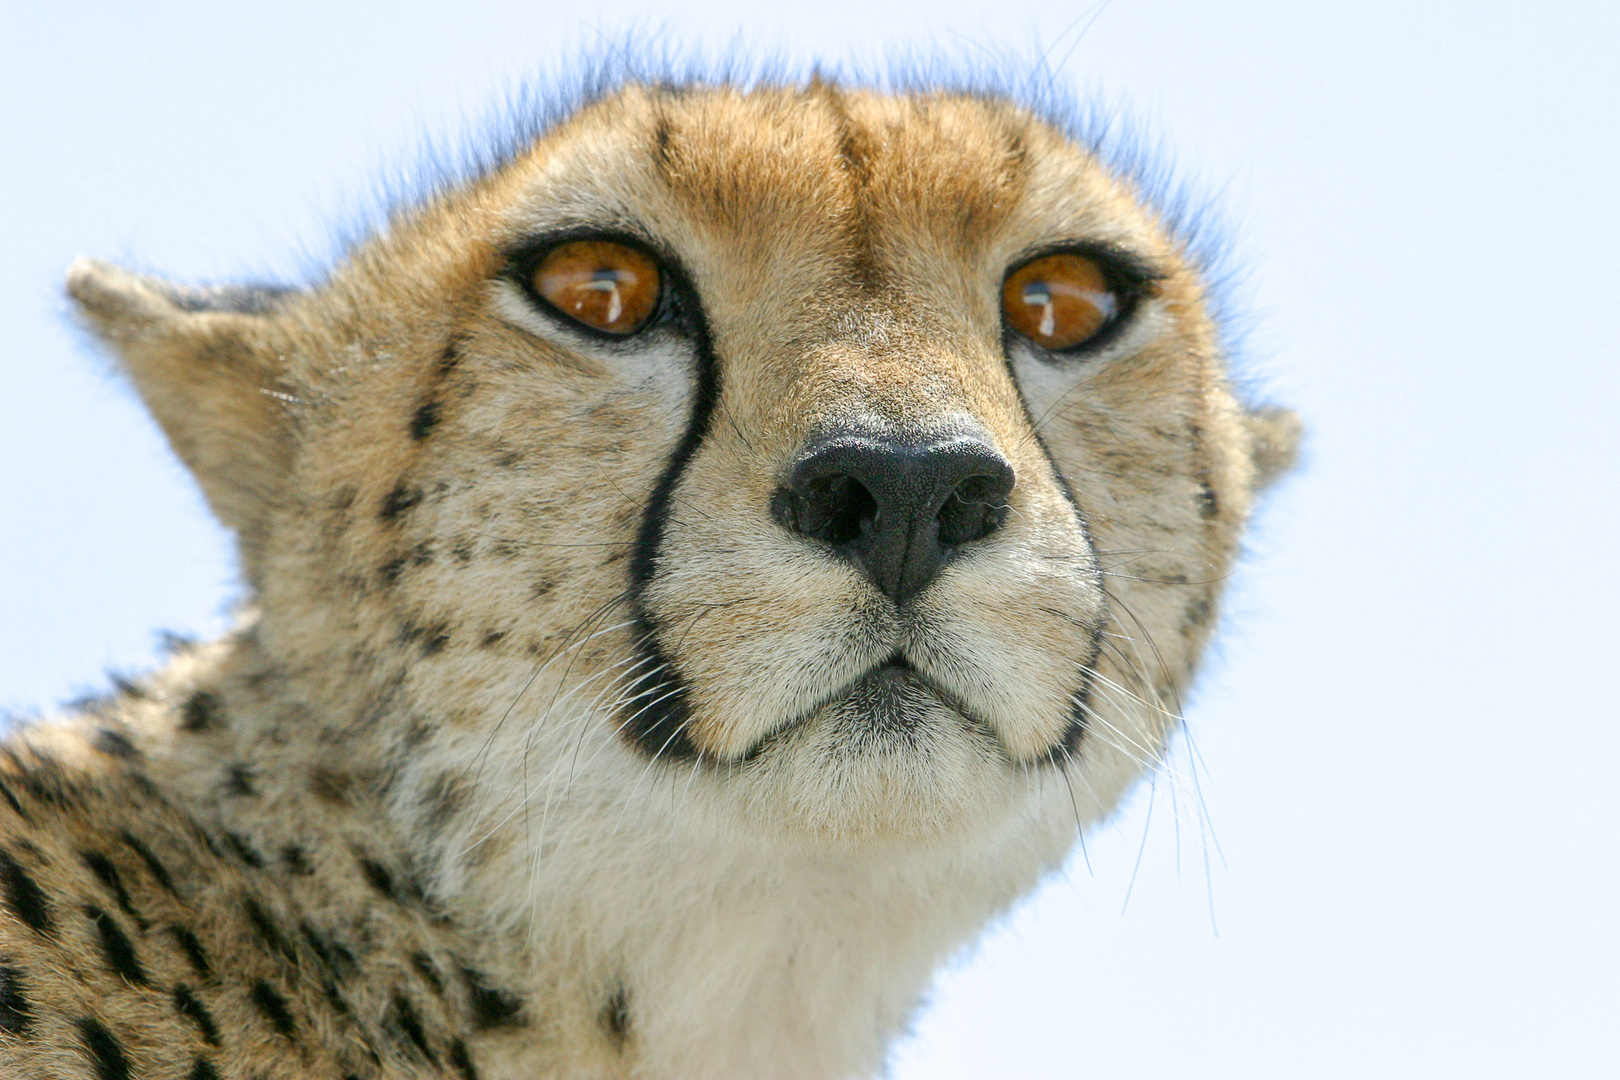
[{"x": 401, "y": 812}]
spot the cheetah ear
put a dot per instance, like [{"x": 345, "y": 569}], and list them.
[
  {"x": 1275, "y": 435},
  {"x": 206, "y": 364}
]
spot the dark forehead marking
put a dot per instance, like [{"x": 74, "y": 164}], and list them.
[{"x": 855, "y": 159}]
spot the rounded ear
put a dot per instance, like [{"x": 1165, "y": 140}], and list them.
[
  {"x": 1275, "y": 435},
  {"x": 205, "y": 362}
]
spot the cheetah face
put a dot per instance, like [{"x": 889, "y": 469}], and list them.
[{"x": 858, "y": 459}]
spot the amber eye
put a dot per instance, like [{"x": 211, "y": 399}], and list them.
[
  {"x": 1058, "y": 301},
  {"x": 608, "y": 287}
]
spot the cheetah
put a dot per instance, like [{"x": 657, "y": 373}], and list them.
[{"x": 701, "y": 566}]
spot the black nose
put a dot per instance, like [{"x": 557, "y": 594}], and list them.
[{"x": 897, "y": 508}]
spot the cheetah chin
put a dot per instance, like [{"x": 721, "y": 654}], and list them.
[{"x": 701, "y": 567}]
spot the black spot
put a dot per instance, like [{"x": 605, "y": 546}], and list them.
[
  {"x": 389, "y": 571},
  {"x": 192, "y": 948},
  {"x": 273, "y": 1006},
  {"x": 156, "y": 868},
  {"x": 405, "y": 1016},
  {"x": 436, "y": 638},
  {"x": 201, "y": 712},
  {"x": 331, "y": 786},
  {"x": 296, "y": 861},
  {"x": 268, "y": 933},
  {"x": 443, "y": 797},
  {"x": 491, "y": 1006},
  {"x": 116, "y": 744},
  {"x": 105, "y": 1053},
  {"x": 108, "y": 875},
  {"x": 462, "y": 552},
  {"x": 422, "y": 554},
  {"x": 491, "y": 639},
  {"x": 16, "y": 1015},
  {"x": 1208, "y": 505},
  {"x": 425, "y": 420},
  {"x": 202, "y": 1070},
  {"x": 380, "y": 879},
  {"x": 11, "y": 800},
  {"x": 449, "y": 358},
  {"x": 616, "y": 1016},
  {"x": 239, "y": 780},
  {"x": 1198, "y": 613},
  {"x": 126, "y": 688},
  {"x": 187, "y": 1005},
  {"x": 398, "y": 501},
  {"x": 173, "y": 643},
  {"x": 461, "y": 1061},
  {"x": 430, "y": 975},
  {"x": 240, "y": 848},
  {"x": 24, "y": 896},
  {"x": 116, "y": 948}
]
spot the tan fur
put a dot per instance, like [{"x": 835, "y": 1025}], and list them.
[{"x": 398, "y": 797}]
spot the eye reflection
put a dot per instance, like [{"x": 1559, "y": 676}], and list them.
[
  {"x": 1059, "y": 301},
  {"x": 607, "y": 286}
]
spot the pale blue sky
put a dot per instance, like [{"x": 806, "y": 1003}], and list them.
[{"x": 1408, "y": 747}]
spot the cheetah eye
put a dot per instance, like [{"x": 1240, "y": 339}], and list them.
[
  {"x": 1059, "y": 301},
  {"x": 607, "y": 286}
]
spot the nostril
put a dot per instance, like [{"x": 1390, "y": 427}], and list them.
[
  {"x": 977, "y": 508},
  {"x": 828, "y": 508}
]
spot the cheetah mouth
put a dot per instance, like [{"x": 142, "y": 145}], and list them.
[{"x": 891, "y": 707}]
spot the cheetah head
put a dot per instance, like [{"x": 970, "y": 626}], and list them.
[{"x": 814, "y": 463}]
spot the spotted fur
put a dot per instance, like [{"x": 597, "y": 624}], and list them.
[{"x": 545, "y": 750}]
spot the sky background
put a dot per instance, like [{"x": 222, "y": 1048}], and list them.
[{"x": 1408, "y": 853}]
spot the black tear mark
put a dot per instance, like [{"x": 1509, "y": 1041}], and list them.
[
  {"x": 398, "y": 501},
  {"x": 24, "y": 896},
  {"x": 187, "y": 1005},
  {"x": 202, "y": 1070},
  {"x": 106, "y": 873},
  {"x": 268, "y": 933},
  {"x": 153, "y": 866},
  {"x": 425, "y": 420},
  {"x": 491, "y": 1006},
  {"x": 240, "y": 847},
  {"x": 616, "y": 1016},
  {"x": 105, "y": 1053},
  {"x": 405, "y": 1016},
  {"x": 116, "y": 744},
  {"x": 202, "y": 712},
  {"x": 16, "y": 1015},
  {"x": 273, "y": 1006},
  {"x": 461, "y": 1061},
  {"x": 193, "y": 949},
  {"x": 239, "y": 781},
  {"x": 116, "y": 948}
]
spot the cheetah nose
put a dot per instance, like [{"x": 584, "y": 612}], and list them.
[{"x": 898, "y": 509}]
